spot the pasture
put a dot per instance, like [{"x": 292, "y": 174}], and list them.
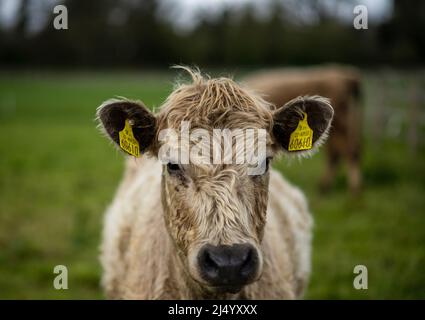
[{"x": 57, "y": 175}]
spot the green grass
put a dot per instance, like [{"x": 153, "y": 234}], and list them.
[{"x": 57, "y": 175}]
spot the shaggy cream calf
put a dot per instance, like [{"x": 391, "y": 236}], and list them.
[{"x": 180, "y": 230}]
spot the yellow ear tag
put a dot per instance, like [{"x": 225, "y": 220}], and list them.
[
  {"x": 127, "y": 140},
  {"x": 302, "y": 137}
]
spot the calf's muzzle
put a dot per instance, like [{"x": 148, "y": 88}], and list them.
[{"x": 228, "y": 266}]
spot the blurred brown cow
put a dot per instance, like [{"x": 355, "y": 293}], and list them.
[{"x": 341, "y": 84}]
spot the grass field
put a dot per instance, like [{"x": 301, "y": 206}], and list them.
[{"x": 57, "y": 175}]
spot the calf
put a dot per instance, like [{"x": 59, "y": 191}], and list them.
[
  {"x": 342, "y": 86},
  {"x": 204, "y": 230}
]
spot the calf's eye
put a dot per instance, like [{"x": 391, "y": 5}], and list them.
[
  {"x": 173, "y": 168},
  {"x": 267, "y": 164},
  {"x": 268, "y": 159}
]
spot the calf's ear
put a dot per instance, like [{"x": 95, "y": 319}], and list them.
[
  {"x": 129, "y": 124},
  {"x": 302, "y": 124}
]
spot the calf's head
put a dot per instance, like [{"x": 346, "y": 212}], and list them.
[{"x": 215, "y": 212}]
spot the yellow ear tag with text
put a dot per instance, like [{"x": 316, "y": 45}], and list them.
[
  {"x": 302, "y": 137},
  {"x": 127, "y": 140}
]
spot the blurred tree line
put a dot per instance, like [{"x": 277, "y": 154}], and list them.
[{"x": 134, "y": 33}]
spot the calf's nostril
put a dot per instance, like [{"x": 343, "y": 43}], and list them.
[
  {"x": 249, "y": 263},
  {"x": 209, "y": 265}
]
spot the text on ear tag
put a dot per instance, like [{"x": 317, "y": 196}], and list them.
[
  {"x": 302, "y": 137},
  {"x": 127, "y": 140}
]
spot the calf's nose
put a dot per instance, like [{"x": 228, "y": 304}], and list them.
[{"x": 226, "y": 265}]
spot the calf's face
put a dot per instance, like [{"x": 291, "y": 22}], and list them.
[{"x": 216, "y": 213}]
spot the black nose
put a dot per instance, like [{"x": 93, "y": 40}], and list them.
[{"x": 223, "y": 265}]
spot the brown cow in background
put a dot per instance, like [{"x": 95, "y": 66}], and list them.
[{"x": 341, "y": 85}]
